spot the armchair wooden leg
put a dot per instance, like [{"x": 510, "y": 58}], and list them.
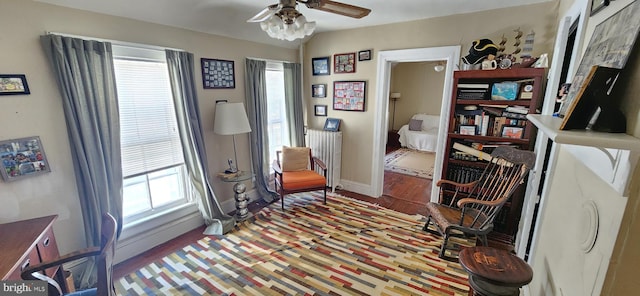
[
  {"x": 445, "y": 240},
  {"x": 282, "y": 200},
  {"x": 325, "y": 195},
  {"x": 483, "y": 239}
]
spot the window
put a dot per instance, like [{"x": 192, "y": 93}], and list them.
[
  {"x": 277, "y": 115},
  {"x": 152, "y": 159}
]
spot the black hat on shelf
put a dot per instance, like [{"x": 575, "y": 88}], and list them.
[{"x": 480, "y": 49}]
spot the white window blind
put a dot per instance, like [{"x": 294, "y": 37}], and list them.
[{"x": 149, "y": 132}]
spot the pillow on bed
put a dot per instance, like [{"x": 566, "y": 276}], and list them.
[{"x": 415, "y": 125}]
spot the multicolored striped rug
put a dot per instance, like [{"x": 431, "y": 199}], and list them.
[{"x": 346, "y": 247}]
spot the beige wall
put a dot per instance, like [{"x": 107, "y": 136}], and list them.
[
  {"x": 444, "y": 31},
  {"x": 421, "y": 90},
  {"x": 40, "y": 113}
]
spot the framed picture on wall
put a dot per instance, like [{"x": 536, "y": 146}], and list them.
[
  {"x": 320, "y": 66},
  {"x": 349, "y": 95},
  {"x": 319, "y": 90},
  {"x": 218, "y": 73},
  {"x": 344, "y": 63},
  {"x": 13, "y": 84},
  {"x": 320, "y": 110},
  {"x": 22, "y": 158}
]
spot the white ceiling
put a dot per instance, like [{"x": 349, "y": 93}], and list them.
[{"x": 228, "y": 17}]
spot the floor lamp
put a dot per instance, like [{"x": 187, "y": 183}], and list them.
[
  {"x": 394, "y": 97},
  {"x": 231, "y": 119}
]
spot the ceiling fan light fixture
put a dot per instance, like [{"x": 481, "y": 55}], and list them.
[{"x": 286, "y": 26}]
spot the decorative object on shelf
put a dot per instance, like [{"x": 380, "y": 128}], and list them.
[
  {"x": 22, "y": 157},
  {"x": 231, "y": 119},
  {"x": 344, "y": 63},
  {"x": 593, "y": 95},
  {"x": 13, "y": 84},
  {"x": 218, "y": 73},
  {"x": 513, "y": 132},
  {"x": 597, "y": 5},
  {"x": 527, "y": 49},
  {"x": 489, "y": 64},
  {"x": 320, "y": 110},
  {"x": 332, "y": 124},
  {"x": 283, "y": 21},
  {"x": 321, "y": 66},
  {"x": 349, "y": 95},
  {"x": 480, "y": 49},
  {"x": 505, "y": 91},
  {"x": 394, "y": 96},
  {"x": 468, "y": 130},
  {"x": 610, "y": 46},
  {"x": 517, "y": 43},
  {"x": 364, "y": 55},
  {"x": 501, "y": 46},
  {"x": 319, "y": 90}
]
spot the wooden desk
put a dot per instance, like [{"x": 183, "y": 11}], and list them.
[{"x": 25, "y": 243}]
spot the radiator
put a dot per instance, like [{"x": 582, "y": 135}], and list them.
[{"x": 327, "y": 146}]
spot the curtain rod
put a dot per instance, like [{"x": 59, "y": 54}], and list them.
[
  {"x": 270, "y": 60},
  {"x": 117, "y": 42}
]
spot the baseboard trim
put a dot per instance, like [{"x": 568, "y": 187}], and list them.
[{"x": 356, "y": 187}]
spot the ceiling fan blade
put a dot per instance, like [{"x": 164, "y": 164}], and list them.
[
  {"x": 343, "y": 9},
  {"x": 265, "y": 14}
]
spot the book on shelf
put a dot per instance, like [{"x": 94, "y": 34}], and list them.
[
  {"x": 517, "y": 109},
  {"x": 493, "y": 111},
  {"x": 472, "y": 94},
  {"x": 474, "y": 85},
  {"x": 514, "y": 115},
  {"x": 477, "y": 153}
]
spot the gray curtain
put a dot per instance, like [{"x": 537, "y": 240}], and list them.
[
  {"x": 256, "y": 96},
  {"x": 86, "y": 80},
  {"x": 85, "y": 76},
  {"x": 294, "y": 104},
  {"x": 181, "y": 75}
]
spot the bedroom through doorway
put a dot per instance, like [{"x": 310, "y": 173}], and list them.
[{"x": 412, "y": 135}]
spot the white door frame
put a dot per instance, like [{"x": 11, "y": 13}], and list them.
[{"x": 450, "y": 54}]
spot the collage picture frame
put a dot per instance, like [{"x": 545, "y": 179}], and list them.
[{"x": 218, "y": 73}]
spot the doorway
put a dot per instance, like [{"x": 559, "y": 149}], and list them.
[{"x": 450, "y": 55}]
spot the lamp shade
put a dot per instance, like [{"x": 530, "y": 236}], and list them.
[
  {"x": 395, "y": 95},
  {"x": 230, "y": 119}
]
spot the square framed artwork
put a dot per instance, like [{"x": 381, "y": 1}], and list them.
[
  {"x": 13, "y": 84},
  {"x": 468, "y": 130},
  {"x": 320, "y": 66},
  {"x": 320, "y": 110},
  {"x": 364, "y": 55},
  {"x": 332, "y": 124},
  {"x": 511, "y": 131},
  {"x": 349, "y": 95},
  {"x": 344, "y": 63},
  {"x": 21, "y": 158},
  {"x": 319, "y": 90},
  {"x": 218, "y": 73}
]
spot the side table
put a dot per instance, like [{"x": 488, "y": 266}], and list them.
[
  {"x": 495, "y": 272},
  {"x": 242, "y": 213}
]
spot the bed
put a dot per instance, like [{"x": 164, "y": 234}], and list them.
[{"x": 421, "y": 133}]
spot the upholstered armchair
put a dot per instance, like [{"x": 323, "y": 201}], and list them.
[{"x": 296, "y": 170}]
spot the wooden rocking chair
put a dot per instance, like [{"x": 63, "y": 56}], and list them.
[{"x": 474, "y": 206}]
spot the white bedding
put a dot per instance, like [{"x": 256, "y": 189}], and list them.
[{"x": 425, "y": 139}]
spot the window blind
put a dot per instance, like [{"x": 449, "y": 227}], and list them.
[{"x": 149, "y": 132}]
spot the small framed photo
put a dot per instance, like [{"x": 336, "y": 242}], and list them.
[
  {"x": 332, "y": 124},
  {"x": 364, "y": 55},
  {"x": 21, "y": 158},
  {"x": 344, "y": 63},
  {"x": 218, "y": 73},
  {"x": 13, "y": 84},
  {"x": 513, "y": 132},
  {"x": 320, "y": 110},
  {"x": 319, "y": 90},
  {"x": 320, "y": 66},
  {"x": 468, "y": 130}
]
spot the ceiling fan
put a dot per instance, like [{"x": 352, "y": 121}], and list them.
[{"x": 290, "y": 24}]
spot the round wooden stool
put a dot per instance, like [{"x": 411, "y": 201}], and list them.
[{"x": 495, "y": 272}]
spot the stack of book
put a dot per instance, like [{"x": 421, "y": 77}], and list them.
[{"x": 472, "y": 91}]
